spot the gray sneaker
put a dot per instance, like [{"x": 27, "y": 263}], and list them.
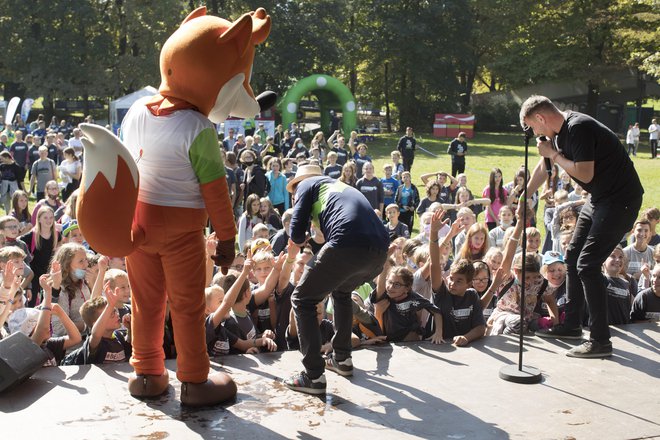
[
  {"x": 343, "y": 368},
  {"x": 591, "y": 350}
]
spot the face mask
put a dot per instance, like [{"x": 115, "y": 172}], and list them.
[
  {"x": 506, "y": 224},
  {"x": 411, "y": 264},
  {"x": 78, "y": 274}
]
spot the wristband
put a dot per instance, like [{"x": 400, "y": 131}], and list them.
[
  {"x": 46, "y": 308},
  {"x": 434, "y": 241},
  {"x": 254, "y": 342},
  {"x": 290, "y": 260},
  {"x": 514, "y": 239}
]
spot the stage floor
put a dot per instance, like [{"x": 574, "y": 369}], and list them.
[{"x": 400, "y": 391}]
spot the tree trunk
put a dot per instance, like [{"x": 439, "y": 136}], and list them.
[
  {"x": 387, "y": 99},
  {"x": 592, "y": 98}
]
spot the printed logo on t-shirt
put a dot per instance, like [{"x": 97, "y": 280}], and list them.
[
  {"x": 460, "y": 314},
  {"x": 118, "y": 356},
  {"x": 617, "y": 292},
  {"x": 252, "y": 334},
  {"x": 220, "y": 347},
  {"x": 263, "y": 313}
]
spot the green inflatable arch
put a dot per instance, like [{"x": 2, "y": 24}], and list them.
[{"x": 332, "y": 95}]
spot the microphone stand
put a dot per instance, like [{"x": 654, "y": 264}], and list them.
[{"x": 522, "y": 373}]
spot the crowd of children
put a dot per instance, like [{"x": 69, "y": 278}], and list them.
[{"x": 457, "y": 280}]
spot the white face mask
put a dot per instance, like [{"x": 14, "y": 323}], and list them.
[{"x": 506, "y": 224}]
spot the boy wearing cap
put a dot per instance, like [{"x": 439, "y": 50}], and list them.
[
  {"x": 553, "y": 269},
  {"x": 354, "y": 252}
]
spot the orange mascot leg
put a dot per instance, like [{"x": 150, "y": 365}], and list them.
[{"x": 169, "y": 265}]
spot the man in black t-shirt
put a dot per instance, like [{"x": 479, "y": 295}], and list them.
[
  {"x": 406, "y": 146},
  {"x": 592, "y": 155}
]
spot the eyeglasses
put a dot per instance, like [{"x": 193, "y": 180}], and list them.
[
  {"x": 236, "y": 267},
  {"x": 396, "y": 285},
  {"x": 11, "y": 227},
  {"x": 480, "y": 280}
]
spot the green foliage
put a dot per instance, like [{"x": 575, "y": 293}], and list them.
[{"x": 436, "y": 52}]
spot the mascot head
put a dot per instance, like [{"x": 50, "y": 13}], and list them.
[{"x": 208, "y": 63}]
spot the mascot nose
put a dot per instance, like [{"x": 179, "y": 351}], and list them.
[{"x": 266, "y": 100}]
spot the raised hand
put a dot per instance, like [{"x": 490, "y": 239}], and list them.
[{"x": 103, "y": 263}]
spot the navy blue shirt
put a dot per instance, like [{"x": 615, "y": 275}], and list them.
[{"x": 341, "y": 212}]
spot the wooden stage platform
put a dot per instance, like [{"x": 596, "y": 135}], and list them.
[{"x": 398, "y": 391}]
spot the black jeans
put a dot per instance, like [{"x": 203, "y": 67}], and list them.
[
  {"x": 654, "y": 148},
  {"x": 337, "y": 271},
  {"x": 457, "y": 167},
  {"x": 599, "y": 229},
  {"x": 408, "y": 162}
]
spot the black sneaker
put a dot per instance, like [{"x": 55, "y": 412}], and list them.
[
  {"x": 560, "y": 331},
  {"x": 343, "y": 368},
  {"x": 591, "y": 349},
  {"x": 301, "y": 382}
]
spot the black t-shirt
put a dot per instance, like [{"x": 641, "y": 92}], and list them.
[
  {"x": 460, "y": 314},
  {"x": 646, "y": 306},
  {"x": 342, "y": 155},
  {"x": 10, "y": 171},
  {"x": 33, "y": 154},
  {"x": 260, "y": 314},
  {"x": 401, "y": 318},
  {"x": 406, "y": 146},
  {"x": 54, "y": 348},
  {"x": 279, "y": 241},
  {"x": 218, "y": 339},
  {"x": 53, "y": 152},
  {"x": 333, "y": 171},
  {"x": 584, "y": 139},
  {"x": 618, "y": 301},
  {"x": 372, "y": 189},
  {"x": 457, "y": 146},
  {"x": 19, "y": 151},
  {"x": 283, "y": 310}
]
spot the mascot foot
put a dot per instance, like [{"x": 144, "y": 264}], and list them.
[
  {"x": 218, "y": 388},
  {"x": 147, "y": 385}
]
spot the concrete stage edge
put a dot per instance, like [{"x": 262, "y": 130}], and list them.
[{"x": 400, "y": 391}]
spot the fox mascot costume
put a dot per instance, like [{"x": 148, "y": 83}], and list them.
[{"x": 150, "y": 199}]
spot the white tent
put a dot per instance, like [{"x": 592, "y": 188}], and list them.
[{"x": 120, "y": 106}]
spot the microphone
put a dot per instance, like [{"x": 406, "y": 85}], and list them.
[{"x": 548, "y": 164}]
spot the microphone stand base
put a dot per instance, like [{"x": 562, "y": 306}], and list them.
[{"x": 526, "y": 375}]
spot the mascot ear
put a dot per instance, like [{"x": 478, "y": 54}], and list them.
[
  {"x": 199, "y": 12},
  {"x": 260, "y": 26},
  {"x": 241, "y": 32}
]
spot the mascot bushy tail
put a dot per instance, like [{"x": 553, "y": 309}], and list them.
[{"x": 108, "y": 193}]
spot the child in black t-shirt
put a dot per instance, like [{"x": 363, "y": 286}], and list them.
[
  {"x": 463, "y": 319},
  {"x": 398, "y": 308},
  {"x": 239, "y": 322},
  {"x": 106, "y": 343},
  {"x": 620, "y": 290},
  {"x": 394, "y": 227}
]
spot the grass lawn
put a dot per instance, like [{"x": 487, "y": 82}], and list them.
[{"x": 501, "y": 150}]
